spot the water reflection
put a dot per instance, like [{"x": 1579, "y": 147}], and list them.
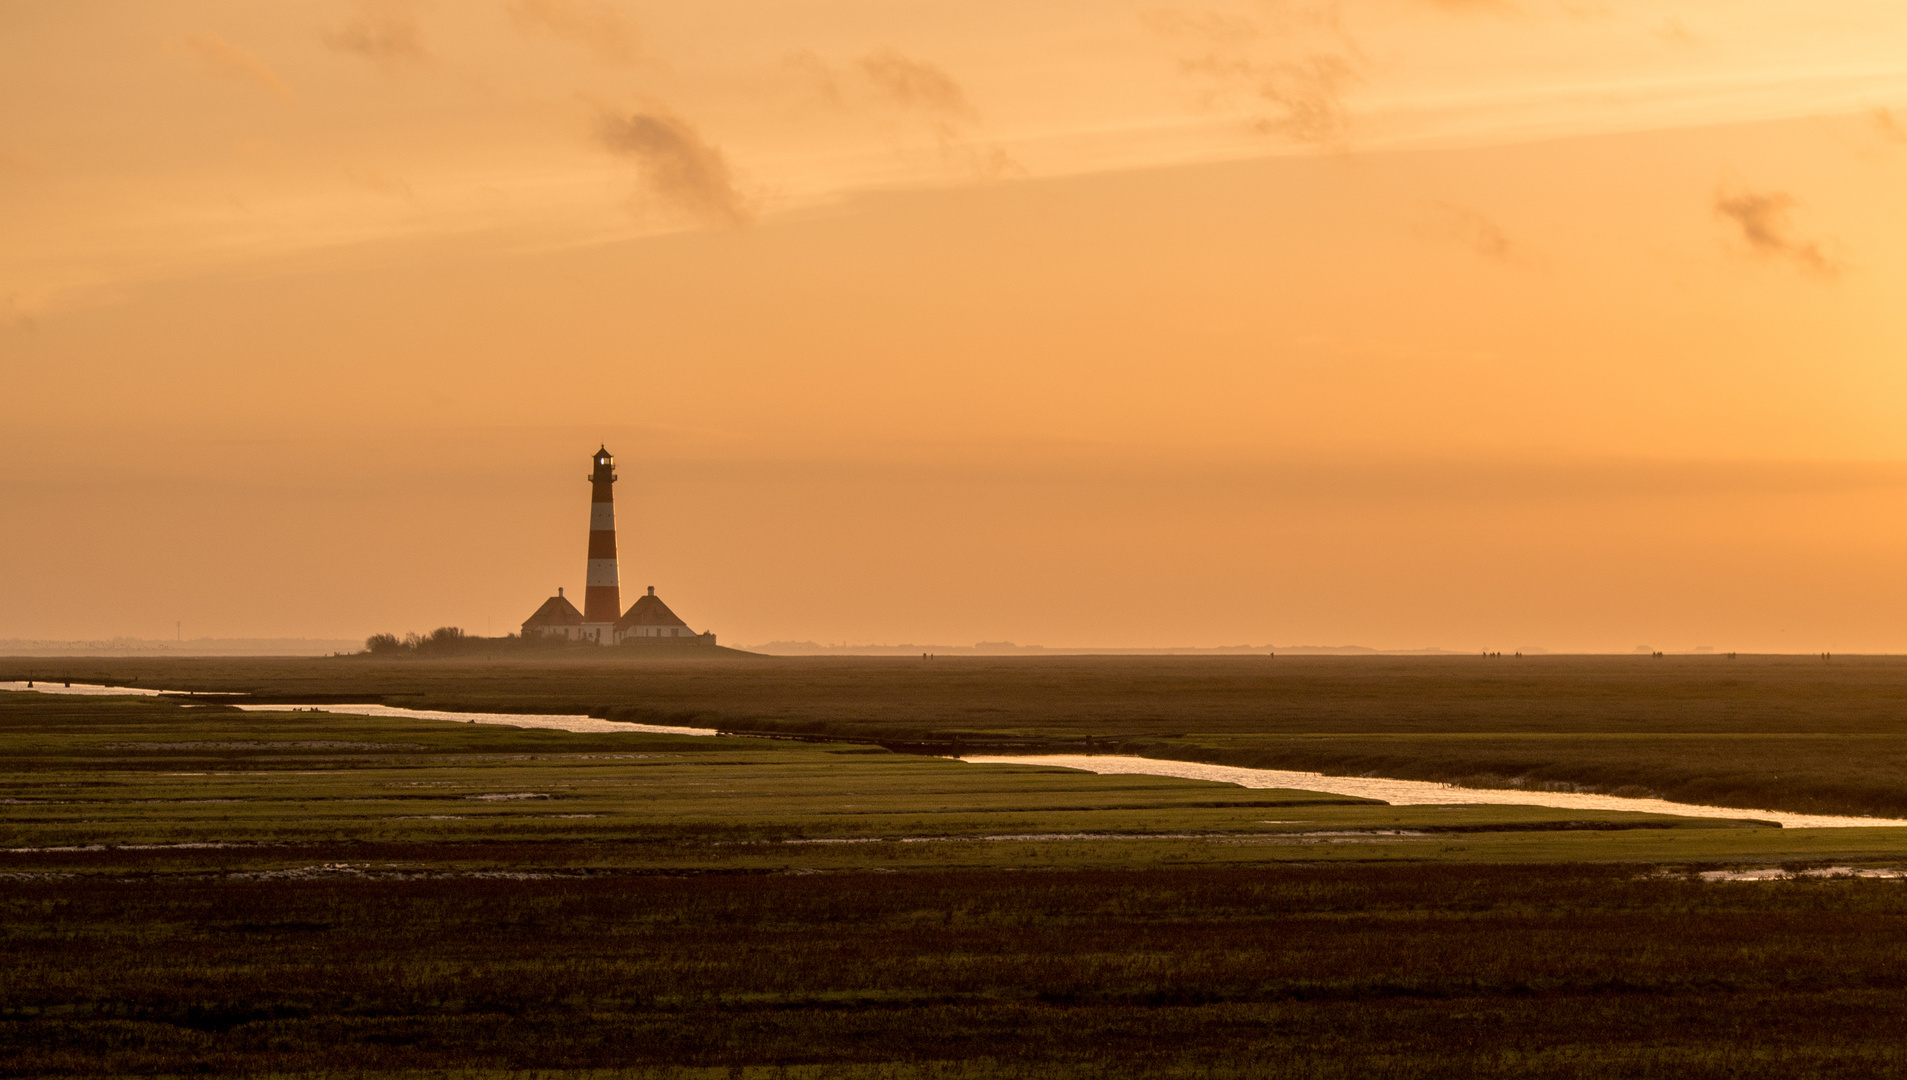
[
  {"x": 558, "y": 722},
  {"x": 57, "y": 686},
  {"x": 1420, "y": 792}
]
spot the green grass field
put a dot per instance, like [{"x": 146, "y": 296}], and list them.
[
  {"x": 92, "y": 784},
  {"x": 1783, "y": 733},
  {"x": 190, "y": 890}
]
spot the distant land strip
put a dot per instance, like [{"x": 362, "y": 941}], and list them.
[
  {"x": 204, "y": 646},
  {"x": 1008, "y": 648}
]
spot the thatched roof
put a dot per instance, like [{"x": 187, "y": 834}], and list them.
[
  {"x": 649, "y": 611},
  {"x": 556, "y": 611}
]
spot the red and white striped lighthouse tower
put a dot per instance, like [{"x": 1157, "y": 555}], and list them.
[{"x": 602, "y": 599}]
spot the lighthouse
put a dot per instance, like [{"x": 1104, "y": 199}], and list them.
[
  {"x": 602, "y": 599},
  {"x": 602, "y": 619}
]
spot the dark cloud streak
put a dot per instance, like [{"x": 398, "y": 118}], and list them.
[
  {"x": 916, "y": 85},
  {"x": 386, "y": 33},
  {"x": 1479, "y": 234},
  {"x": 1762, "y": 218},
  {"x": 677, "y": 166},
  {"x": 929, "y": 92},
  {"x": 589, "y": 24},
  {"x": 228, "y": 61},
  {"x": 1291, "y": 68}
]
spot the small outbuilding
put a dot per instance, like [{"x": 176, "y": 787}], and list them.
[
  {"x": 556, "y": 618},
  {"x": 649, "y": 617}
]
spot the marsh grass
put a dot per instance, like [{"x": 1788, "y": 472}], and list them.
[
  {"x": 1782, "y": 733},
  {"x": 202, "y": 891},
  {"x": 124, "y": 786},
  {"x": 1286, "y": 971}
]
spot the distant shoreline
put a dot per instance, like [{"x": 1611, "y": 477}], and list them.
[
  {"x": 264, "y": 647},
  {"x": 1007, "y": 648},
  {"x": 195, "y": 647}
]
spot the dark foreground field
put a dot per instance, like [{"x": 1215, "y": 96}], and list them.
[
  {"x": 1803, "y": 734},
  {"x": 1293, "y": 971},
  {"x": 194, "y": 890}
]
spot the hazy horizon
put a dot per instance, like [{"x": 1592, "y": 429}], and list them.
[{"x": 213, "y": 647}]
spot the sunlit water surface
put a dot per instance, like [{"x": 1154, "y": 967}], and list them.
[
  {"x": 558, "y": 722},
  {"x": 57, "y": 687},
  {"x": 1419, "y": 792}
]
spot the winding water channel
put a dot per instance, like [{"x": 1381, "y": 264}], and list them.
[
  {"x": 1421, "y": 792},
  {"x": 556, "y": 721},
  {"x": 1396, "y": 792}
]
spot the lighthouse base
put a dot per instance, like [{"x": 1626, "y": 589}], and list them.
[{"x": 682, "y": 647}]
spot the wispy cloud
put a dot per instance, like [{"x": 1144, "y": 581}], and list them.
[
  {"x": 17, "y": 312},
  {"x": 1676, "y": 32},
  {"x": 910, "y": 94},
  {"x": 588, "y": 24},
  {"x": 1888, "y": 125},
  {"x": 1305, "y": 95},
  {"x": 1477, "y": 233},
  {"x": 815, "y": 76},
  {"x": 384, "y": 32},
  {"x": 928, "y": 92},
  {"x": 916, "y": 84},
  {"x": 1287, "y": 69},
  {"x": 1290, "y": 69},
  {"x": 1762, "y": 218},
  {"x": 678, "y": 168},
  {"x": 380, "y": 183},
  {"x": 219, "y": 57},
  {"x": 1465, "y": 6}
]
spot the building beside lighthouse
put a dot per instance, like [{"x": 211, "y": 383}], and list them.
[
  {"x": 602, "y": 621},
  {"x": 556, "y": 618},
  {"x": 649, "y": 617}
]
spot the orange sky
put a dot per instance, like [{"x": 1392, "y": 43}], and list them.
[{"x": 1463, "y": 323}]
